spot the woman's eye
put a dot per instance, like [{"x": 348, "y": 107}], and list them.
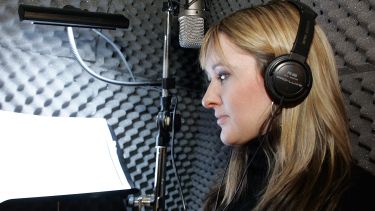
[{"x": 223, "y": 76}]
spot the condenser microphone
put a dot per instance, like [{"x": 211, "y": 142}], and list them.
[{"x": 191, "y": 20}]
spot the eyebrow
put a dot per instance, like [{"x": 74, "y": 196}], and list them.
[
  {"x": 216, "y": 65},
  {"x": 213, "y": 67}
]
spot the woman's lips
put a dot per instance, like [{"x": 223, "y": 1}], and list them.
[{"x": 221, "y": 119}]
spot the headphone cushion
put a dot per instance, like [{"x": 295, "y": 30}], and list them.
[{"x": 287, "y": 80}]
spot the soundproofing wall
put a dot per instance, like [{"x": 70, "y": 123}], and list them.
[{"x": 39, "y": 75}]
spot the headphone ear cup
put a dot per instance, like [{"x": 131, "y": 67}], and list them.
[{"x": 287, "y": 81}]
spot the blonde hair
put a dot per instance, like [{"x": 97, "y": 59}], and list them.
[{"x": 309, "y": 163}]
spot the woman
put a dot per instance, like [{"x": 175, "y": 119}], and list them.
[{"x": 283, "y": 158}]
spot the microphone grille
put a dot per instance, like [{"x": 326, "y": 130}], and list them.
[{"x": 191, "y": 31}]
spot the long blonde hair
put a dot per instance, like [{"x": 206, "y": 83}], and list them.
[{"x": 309, "y": 164}]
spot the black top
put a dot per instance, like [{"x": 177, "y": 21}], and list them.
[
  {"x": 361, "y": 193},
  {"x": 360, "y": 196},
  {"x": 255, "y": 177}
]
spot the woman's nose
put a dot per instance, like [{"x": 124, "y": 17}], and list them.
[{"x": 211, "y": 98}]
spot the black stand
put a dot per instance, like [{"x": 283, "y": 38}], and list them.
[{"x": 164, "y": 123}]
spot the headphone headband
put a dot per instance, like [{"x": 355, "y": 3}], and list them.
[{"x": 305, "y": 31}]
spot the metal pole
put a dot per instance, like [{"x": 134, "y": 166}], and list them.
[
  {"x": 163, "y": 118},
  {"x": 164, "y": 122}
]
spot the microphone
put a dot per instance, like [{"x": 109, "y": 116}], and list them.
[{"x": 191, "y": 21}]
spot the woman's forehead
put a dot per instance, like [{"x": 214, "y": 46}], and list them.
[
  {"x": 216, "y": 51},
  {"x": 223, "y": 52}
]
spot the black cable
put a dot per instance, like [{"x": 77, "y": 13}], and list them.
[
  {"x": 245, "y": 173},
  {"x": 172, "y": 153},
  {"x": 190, "y": 3},
  {"x": 109, "y": 5},
  {"x": 206, "y": 5},
  {"x": 273, "y": 115}
]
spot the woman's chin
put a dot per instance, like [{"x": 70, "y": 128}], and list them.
[{"x": 227, "y": 140}]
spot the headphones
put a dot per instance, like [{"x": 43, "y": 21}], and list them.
[{"x": 288, "y": 78}]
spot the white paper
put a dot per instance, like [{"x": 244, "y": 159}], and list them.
[{"x": 48, "y": 156}]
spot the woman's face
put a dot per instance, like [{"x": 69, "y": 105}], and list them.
[{"x": 236, "y": 92}]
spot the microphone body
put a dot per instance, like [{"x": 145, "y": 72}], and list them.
[{"x": 191, "y": 21}]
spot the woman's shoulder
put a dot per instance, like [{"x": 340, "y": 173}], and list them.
[{"x": 360, "y": 194}]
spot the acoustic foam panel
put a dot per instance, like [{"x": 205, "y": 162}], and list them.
[{"x": 39, "y": 75}]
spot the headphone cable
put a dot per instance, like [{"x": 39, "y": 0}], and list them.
[
  {"x": 273, "y": 115},
  {"x": 172, "y": 153},
  {"x": 245, "y": 173},
  {"x": 221, "y": 183}
]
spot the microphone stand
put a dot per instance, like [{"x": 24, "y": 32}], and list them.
[
  {"x": 166, "y": 119},
  {"x": 164, "y": 122}
]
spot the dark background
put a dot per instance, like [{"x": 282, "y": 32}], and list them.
[{"x": 39, "y": 75}]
